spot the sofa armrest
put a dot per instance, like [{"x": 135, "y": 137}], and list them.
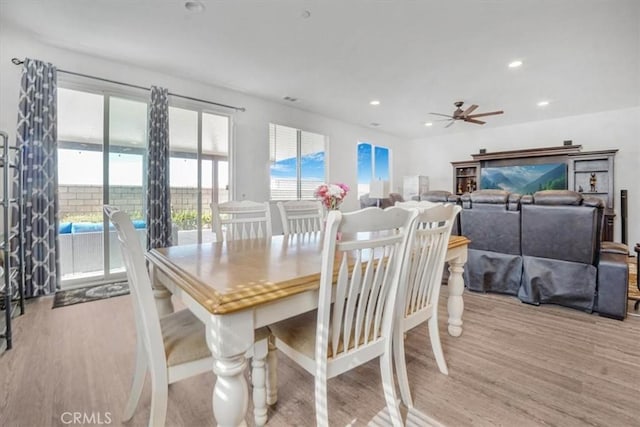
[
  {"x": 614, "y": 248},
  {"x": 613, "y": 285}
]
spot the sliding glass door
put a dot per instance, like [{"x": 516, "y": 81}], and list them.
[
  {"x": 126, "y": 164},
  {"x": 199, "y": 169},
  {"x": 102, "y": 141},
  {"x": 101, "y": 158}
]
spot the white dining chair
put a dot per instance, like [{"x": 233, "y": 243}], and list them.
[
  {"x": 420, "y": 286},
  {"x": 172, "y": 347},
  {"x": 301, "y": 216},
  {"x": 358, "y": 327},
  {"x": 239, "y": 220}
]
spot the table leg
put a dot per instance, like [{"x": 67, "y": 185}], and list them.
[
  {"x": 258, "y": 379},
  {"x": 161, "y": 295},
  {"x": 272, "y": 372},
  {"x": 230, "y": 394},
  {"x": 455, "y": 304},
  {"x": 229, "y": 337}
]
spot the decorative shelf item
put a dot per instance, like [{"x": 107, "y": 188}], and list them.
[
  {"x": 593, "y": 172},
  {"x": 465, "y": 177}
]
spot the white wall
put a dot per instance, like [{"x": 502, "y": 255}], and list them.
[
  {"x": 250, "y": 150},
  {"x": 430, "y": 156},
  {"x": 619, "y": 129}
]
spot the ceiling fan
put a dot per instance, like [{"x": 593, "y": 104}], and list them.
[{"x": 465, "y": 115}]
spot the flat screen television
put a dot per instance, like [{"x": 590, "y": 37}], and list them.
[{"x": 525, "y": 179}]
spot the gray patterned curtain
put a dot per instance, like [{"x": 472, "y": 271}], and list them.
[
  {"x": 158, "y": 197},
  {"x": 38, "y": 141}
]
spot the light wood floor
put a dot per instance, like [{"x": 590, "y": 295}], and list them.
[{"x": 514, "y": 365}]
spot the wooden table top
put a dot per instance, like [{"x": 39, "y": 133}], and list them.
[{"x": 229, "y": 276}]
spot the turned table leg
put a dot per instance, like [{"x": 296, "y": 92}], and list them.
[
  {"x": 161, "y": 295},
  {"x": 229, "y": 337},
  {"x": 230, "y": 394},
  {"x": 272, "y": 372},
  {"x": 455, "y": 303}
]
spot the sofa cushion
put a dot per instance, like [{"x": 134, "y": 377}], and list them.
[
  {"x": 557, "y": 197},
  {"x": 139, "y": 223},
  {"x": 490, "y": 196},
  {"x": 435, "y": 196},
  {"x": 492, "y": 228},
  {"x": 567, "y": 233},
  {"x": 86, "y": 227},
  {"x": 92, "y": 227},
  {"x": 64, "y": 228}
]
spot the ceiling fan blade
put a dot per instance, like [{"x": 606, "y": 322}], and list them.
[
  {"x": 478, "y": 122},
  {"x": 440, "y": 114},
  {"x": 469, "y": 110},
  {"x": 451, "y": 123},
  {"x": 493, "y": 113}
]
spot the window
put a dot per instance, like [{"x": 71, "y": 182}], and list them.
[
  {"x": 199, "y": 170},
  {"x": 297, "y": 162},
  {"x": 373, "y": 163}
]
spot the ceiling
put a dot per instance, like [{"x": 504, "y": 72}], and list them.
[{"x": 415, "y": 57}]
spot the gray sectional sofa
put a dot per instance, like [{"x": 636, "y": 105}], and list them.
[{"x": 543, "y": 248}]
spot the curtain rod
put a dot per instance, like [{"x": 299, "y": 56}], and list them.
[{"x": 17, "y": 61}]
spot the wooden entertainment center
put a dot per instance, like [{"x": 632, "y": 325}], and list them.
[{"x": 588, "y": 172}]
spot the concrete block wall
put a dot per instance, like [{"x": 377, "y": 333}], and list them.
[{"x": 87, "y": 199}]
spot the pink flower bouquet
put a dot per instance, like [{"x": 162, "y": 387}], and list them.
[{"x": 331, "y": 195}]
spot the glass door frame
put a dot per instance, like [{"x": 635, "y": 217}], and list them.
[
  {"x": 107, "y": 91},
  {"x": 201, "y": 109}
]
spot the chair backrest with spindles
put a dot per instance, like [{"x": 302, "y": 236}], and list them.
[
  {"x": 420, "y": 288},
  {"x": 241, "y": 220},
  {"x": 300, "y": 216},
  {"x": 363, "y": 253}
]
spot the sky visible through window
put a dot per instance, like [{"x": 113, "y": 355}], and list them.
[
  {"x": 312, "y": 166},
  {"x": 78, "y": 167},
  {"x": 373, "y": 163},
  {"x": 365, "y": 163}
]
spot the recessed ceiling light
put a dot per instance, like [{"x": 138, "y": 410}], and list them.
[
  {"x": 543, "y": 103},
  {"x": 428, "y": 124},
  {"x": 515, "y": 64},
  {"x": 194, "y": 6},
  {"x": 375, "y": 102}
]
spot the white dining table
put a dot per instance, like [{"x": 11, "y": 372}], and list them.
[{"x": 236, "y": 287}]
